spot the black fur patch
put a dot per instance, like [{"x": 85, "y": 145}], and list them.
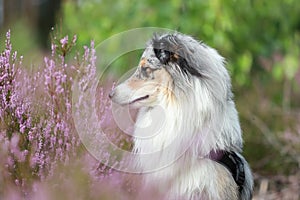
[
  {"x": 162, "y": 55},
  {"x": 235, "y": 165},
  {"x": 169, "y": 49}
]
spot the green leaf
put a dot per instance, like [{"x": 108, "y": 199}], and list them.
[
  {"x": 277, "y": 71},
  {"x": 245, "y": 62},
  {"x": 291, "y": 65}
]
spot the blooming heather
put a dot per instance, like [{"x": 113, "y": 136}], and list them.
[
  {"x": 36, "y": 130},
  {"x": 15, "y": 119},
  {"x": 41, "y": 156}
]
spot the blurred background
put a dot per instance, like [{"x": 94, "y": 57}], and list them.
[{"x": 260, "y": 40}]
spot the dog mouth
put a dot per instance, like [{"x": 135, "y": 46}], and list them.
[{"x": 139, "y": 99}]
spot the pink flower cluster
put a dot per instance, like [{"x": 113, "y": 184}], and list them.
[
  {"x": 16, "y": 123},
  {"x": 36, "y": 130},
  {"x": 41, "y": 156}
]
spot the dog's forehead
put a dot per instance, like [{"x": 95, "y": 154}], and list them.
[{"x": 149, "y": 53}]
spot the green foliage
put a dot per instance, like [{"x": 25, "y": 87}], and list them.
[{"x": 243, "y": 31}]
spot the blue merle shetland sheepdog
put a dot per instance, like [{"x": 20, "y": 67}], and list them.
[{"x": 182, "y": 86}]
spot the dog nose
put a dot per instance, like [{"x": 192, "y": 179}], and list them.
[{"x": 111, "y": 94}]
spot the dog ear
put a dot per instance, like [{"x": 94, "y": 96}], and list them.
[
  {"x": 162, "y": 55},
  {"x": 161, "y": 49},
  {"x": 169, "y": 49}
]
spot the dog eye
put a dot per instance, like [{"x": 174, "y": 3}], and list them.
[{"x": 146, "y": 71}]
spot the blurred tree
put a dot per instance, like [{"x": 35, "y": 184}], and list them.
[
  {"x": 39, "y": 14},
  {"x": 243, "y": 31},
  {"x": 46, "y": 19}
]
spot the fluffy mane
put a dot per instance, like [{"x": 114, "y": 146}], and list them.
[
  {"x": 200, "y": 107},
  {"x": 186, "y": 116}
]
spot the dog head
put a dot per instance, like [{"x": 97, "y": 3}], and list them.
[{"x": 173, "y": 64}]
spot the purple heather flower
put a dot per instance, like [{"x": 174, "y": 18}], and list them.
[
  {"x": 64, "y": 41},
  {"x": 39, "y": 110},
  {"x": 74, "y": 39}
]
